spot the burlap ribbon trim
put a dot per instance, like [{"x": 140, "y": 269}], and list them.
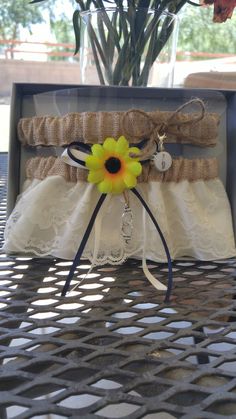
[
  {"x": 94, "y": 127},
  {"x": 181, "y": 169}
]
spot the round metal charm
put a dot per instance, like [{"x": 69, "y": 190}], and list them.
[{"x": 162, "y": 161}]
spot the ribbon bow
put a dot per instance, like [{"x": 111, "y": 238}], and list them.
[
  {"x": 113, "y": 167},
  {"x": 148, "y": 127}
]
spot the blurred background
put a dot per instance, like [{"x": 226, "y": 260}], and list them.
[{"x": 37, "y": 45}]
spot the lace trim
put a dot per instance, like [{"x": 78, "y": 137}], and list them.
[
  {"x": 51, "y": 216},
  {"x": 94, "y": 127},
  {"x": 181, "y": 169}
]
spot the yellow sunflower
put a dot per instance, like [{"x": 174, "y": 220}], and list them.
[{"x": 111, "y": 167}]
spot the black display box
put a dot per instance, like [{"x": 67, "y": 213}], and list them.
[{"x": 43, "y": 99}]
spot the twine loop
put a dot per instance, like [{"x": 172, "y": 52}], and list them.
[{"x": 152, "y": 130}]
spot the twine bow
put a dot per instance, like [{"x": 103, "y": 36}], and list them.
[{"x": 152, "y": 129}]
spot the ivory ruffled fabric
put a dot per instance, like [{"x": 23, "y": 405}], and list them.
[
  {"x": 188, "y": 201},
  {"x": 51, "y": 216}
]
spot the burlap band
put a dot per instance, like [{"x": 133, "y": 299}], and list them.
[
  {"x": 181, "y": 169},
  {"x": 94, "y": 127}
]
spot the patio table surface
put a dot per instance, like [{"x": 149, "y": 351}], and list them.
[{"x": 112, "y": 348}]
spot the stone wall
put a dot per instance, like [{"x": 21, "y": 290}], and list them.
[{"x": 36, "y": 72}]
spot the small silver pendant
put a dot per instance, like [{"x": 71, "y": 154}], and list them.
[
  {"x": 162, "y": 161},
  {"x": 127, "y": 224}
]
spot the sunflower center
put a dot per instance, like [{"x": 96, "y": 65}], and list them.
[{"x": 113, "y": 165}]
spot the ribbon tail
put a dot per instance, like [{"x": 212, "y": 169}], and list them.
[
  {"x": 97, "y": 234},
  {"x": 82, "y": 244},
  {"x": 155, "y": 282},
  {"x": 170, "y": 274}
]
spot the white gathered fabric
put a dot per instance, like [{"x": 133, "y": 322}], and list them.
[
  {"x": 97, "y": 235},
  {"x": 51, "y": 216},
  {"x": 98, "y": 231}
]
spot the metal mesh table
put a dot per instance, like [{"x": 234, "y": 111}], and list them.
[{"x": 112, "y": 348}]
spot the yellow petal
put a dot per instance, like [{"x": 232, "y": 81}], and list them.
[
  {"x": 130, "y": 180},
  {"x": 98, "y": 150},
  {"x": 105, "y": 186},
  {"x": 95, "y": 176},
  {"x": 135, "y": 168},
  {"x": 122, "y": 145},
  {"x": 134, "y": 150},
  {"x": 93, "y": 163},
  {"x": 118, "y": 186},
  {"x": 109, "y": 144}
]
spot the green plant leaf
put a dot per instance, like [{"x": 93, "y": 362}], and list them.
[
  {"x": 118, "y": 72},
  {"x": 81, "y": 5},
  {"x": 94, "y": 41},
  {"x": 36, "y": 1},
  {"x": 109, "y": 25},
  {"x": 88, "y": 4},
  {"x": 76, "y": 26}
]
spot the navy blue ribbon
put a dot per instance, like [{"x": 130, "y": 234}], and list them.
[
  {"x": 87, "y": 234},
  {"x": 77, "y": 145},
  {"x": 86, "y": 148},
  {"x": 83, "y": 244}
]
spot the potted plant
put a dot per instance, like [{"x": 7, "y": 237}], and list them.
[{"x": 126, "y": 43}]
